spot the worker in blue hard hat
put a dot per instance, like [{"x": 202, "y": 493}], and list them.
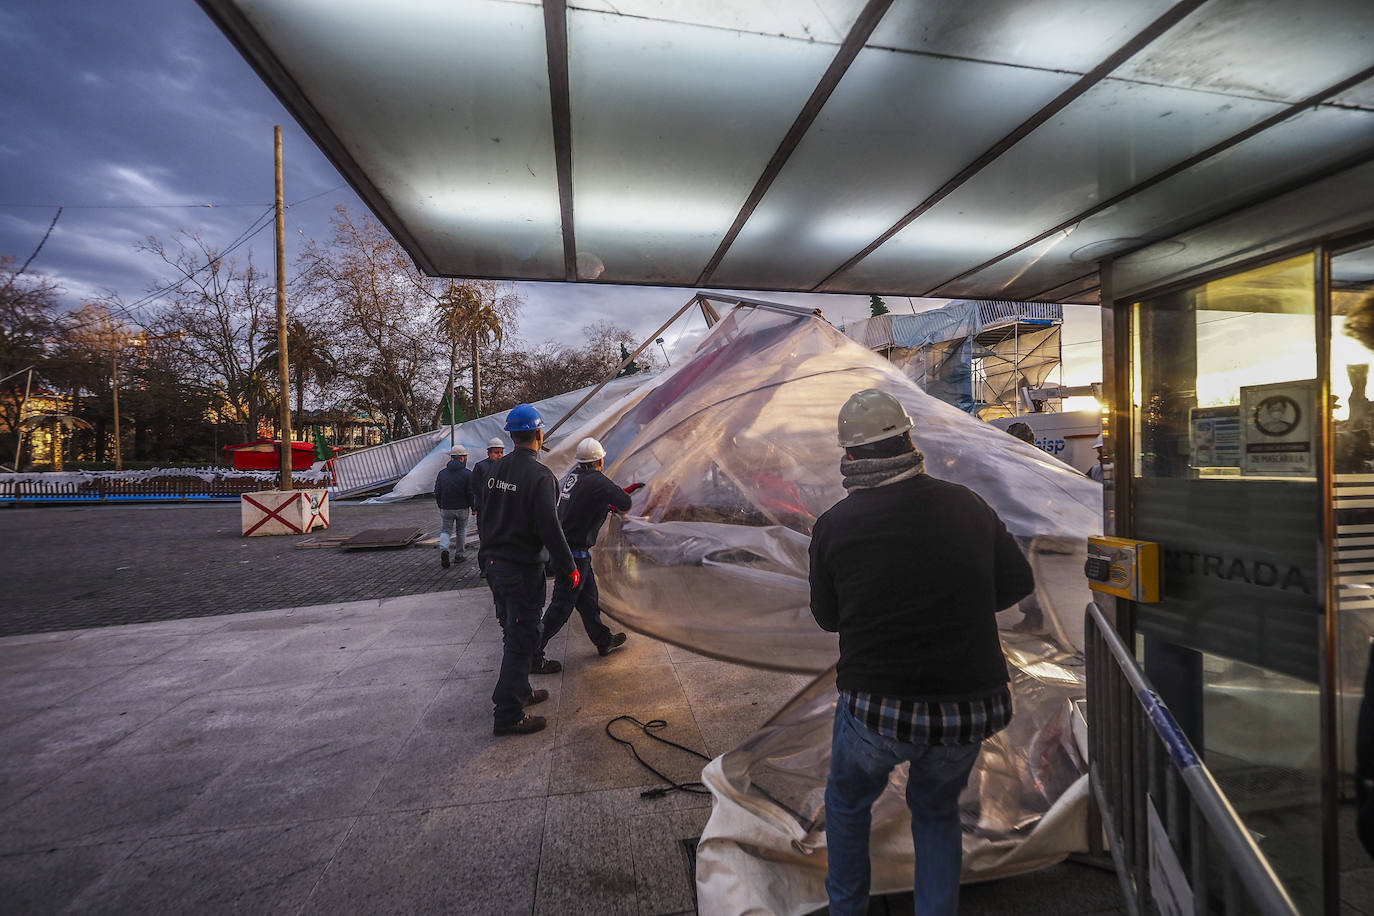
[{"x": 520, "y": 533}]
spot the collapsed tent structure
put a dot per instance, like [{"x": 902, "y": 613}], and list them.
[
  {"x": 736, "y": 448},
  {"x": 475, "y": 434}
]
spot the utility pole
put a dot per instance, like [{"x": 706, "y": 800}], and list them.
[
  {"x": 283, "y": 363},
  {"x": 114, "y": 378}
]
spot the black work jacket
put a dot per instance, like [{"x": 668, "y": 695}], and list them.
[
  {"x": 453, "y": 486},
  {"x": 480, "y": 472},
  {"x": 519, "y": 514},
  {"x": 584, "y": 500},
  {"x": 911, "y": 575}
]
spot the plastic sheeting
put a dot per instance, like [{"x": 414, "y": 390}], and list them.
[
  {"x": 475, "y": 434},
  {"x": 737, "y": 450}
]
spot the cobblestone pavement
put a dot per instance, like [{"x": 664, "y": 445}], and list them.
[{"x": 69, "y": 567}]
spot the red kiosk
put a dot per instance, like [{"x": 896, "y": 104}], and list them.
[{"x": 261, "y": 455}]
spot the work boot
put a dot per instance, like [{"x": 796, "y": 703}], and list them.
[
  {"x": 443, "y": 558},
  {"x": 525, "y": 725},
  {"x": 536, "y": 697},
  {"x": 616, "y": 642},
  {"x": 547, "y": 666}
]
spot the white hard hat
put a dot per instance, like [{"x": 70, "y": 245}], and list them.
[
  {"x": 589, "y": 450},
  {"x": 458, "y": 451},
  {"x": 496, "y": 443},
  {"x": 871, "y": 416}
]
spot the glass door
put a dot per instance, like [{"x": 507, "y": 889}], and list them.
[
  {"x": 1227, "y": 432},
  {"x": 1351, "y": 283}
]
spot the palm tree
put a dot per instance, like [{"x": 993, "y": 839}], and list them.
[
  {"x": 307, "y": 352},
  {"x": 466, "y": 316},
  {"x": 257, "y": 394}
]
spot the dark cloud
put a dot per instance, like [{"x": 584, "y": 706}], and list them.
[{"x": 119, "y": 109}]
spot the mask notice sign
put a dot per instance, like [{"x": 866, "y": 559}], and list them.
[{"x": 1278, "y": 420}]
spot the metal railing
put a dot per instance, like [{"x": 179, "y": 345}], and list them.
[
  {"x": 991, "y": 312},
  {"x": 1164, "y": 815},
  {"x": 380, "y": 465},
  {"x": 113, "y": 489}
]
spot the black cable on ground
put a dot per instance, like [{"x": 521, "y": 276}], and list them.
[{"x": 694, "y": 788}]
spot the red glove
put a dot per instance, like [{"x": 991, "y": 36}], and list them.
[
  {"x": 576, "y": 577},
  {"x": 634, "y": 486}
]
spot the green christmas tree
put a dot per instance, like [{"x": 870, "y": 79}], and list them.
[
  {"x": 876, "y": 305},
  {"x": 631, "y": 367}
]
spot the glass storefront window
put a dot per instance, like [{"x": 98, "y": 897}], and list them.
[
  {"x": 1352, "y": 554},
  {"x": 1227, "y": 448}
]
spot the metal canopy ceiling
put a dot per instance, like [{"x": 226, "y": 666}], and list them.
[{"x": 993, "y": 149}]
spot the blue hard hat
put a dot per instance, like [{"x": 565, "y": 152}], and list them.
[{"x": 523, "y": 418}]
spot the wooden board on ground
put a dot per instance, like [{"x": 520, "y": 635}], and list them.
[
  {"x": 324, "y": 540},
  {"x": 381, "y": 537}
]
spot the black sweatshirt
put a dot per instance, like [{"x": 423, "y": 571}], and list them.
[
  {"x": 586, "y": 498},
  {"x": 911, "y": 575},
  {"x": 480, "y": 472},
  {"x": 519, "y": 515}
]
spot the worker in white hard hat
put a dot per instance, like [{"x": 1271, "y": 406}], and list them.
[
  {"x": 453, "y": 494},
  {"x": 1095, "y": 472},
  {"x": 910, "y": 571},
  {"x": 586, "y": 495},
  {"x": 480, "y": 472}
]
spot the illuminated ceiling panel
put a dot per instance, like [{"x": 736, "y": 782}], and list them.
[
  {"x": 671, "y": 126},
  {"x": 464, "y": 167},
  {"x": 1111, "y": 138},
  {"x": 1321, "y": 138},
  {"x": 1044, "y": 34},
  {"x": 896, "y": 128},
  {"x": 987, "y": 148}
]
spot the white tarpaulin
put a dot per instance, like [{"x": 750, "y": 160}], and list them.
[{"x": 475, "y": 434}]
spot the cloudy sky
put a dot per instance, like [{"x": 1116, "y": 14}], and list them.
[{"x": 140, "y": 119}]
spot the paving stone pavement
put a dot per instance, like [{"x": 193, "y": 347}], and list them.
[
  {"x": 69, "y": 567},
  {"x": 327, "y": 748},
  {"x": 339, "y": 759}
]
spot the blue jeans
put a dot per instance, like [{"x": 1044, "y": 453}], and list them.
[
  {"x": 457, "y": 519},
  {"x": 585, "y": 598},
  {"x": 860, "y": 762},
  {"x": 518, "y": 589}
]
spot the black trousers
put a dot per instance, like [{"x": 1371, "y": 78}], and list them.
[
  {"x": 519, "y": 592},
  {"x": 585, "y": 598}
]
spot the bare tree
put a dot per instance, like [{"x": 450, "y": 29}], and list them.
[
  {"x": 81, "y": 359},
  {"x": 28, "y": 309},
  {"x": 607, "y": 343},
  {"x": 227, "y": 313},
  {"x": 380, "y": 313}
]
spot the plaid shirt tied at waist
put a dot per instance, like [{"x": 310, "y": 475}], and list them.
[{"x": 931, "y": 722}]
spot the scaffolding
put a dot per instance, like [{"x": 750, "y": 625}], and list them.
[
  {"x": 1017, "y": 347},
  {"x": 977, "y": 356}
]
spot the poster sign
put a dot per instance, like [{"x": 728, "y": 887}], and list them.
[
  {"x": 1168, "y": 884},
  {"x": 1216, "y": 436},
  {"x": 1279, "y": 422}
]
